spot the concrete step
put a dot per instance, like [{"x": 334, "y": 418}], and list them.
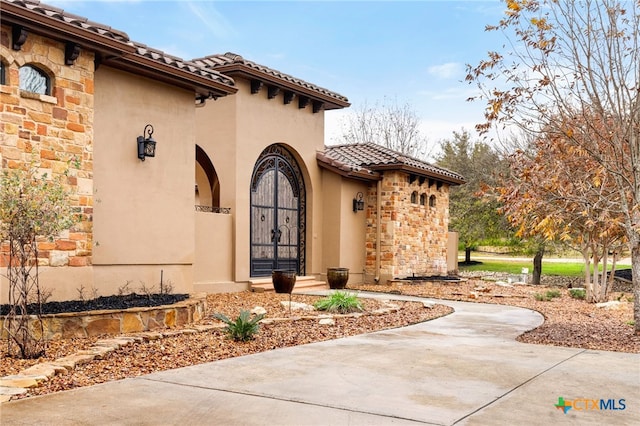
[{"x": 303, "y": 283}]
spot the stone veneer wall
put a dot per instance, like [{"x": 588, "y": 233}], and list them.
[
  {"x": 414, "y": 236},
  {"x": 55, "y": 132},
  {"x": 132, "y": 320}
]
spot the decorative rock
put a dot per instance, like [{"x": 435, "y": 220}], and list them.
[
  {"x": 473, "y": 295},
  {"x": 614, "y": 304},
  {"x": 151, "y": 336},
  {"x": 259, "y": 310},
  {"x": 98, "y": 352},
  {"x": 503, "y": 284},
  {"x": 45, "y": 370},
  {"x": 297, "y": 306},
  {"x": 64, "y": 363},
  {"x": 78, "y": 359},
  {"x": 482, "y": 289},
  {"x": 209, "y": 327},
  {"x": 20, "y": 382},
  {"x": 6, "y": 390},
  {"x": 327, "y": 321},
  {"x": 428, "y": 305}
]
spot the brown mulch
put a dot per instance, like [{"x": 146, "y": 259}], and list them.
[{"x": 188, "y": 349}]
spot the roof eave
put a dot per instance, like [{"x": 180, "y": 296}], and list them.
[
  {"x": 168, "y": 74},
  {"x": 350, "y": 174},
  {"x": 417, "y": 171},
  {"x": 52, "y": 28},
  {"x": 249, "y": 72},
  {"x": 114, "y": 53}
]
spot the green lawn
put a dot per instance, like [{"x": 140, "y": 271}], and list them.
[{"x": 572, "y": 269}]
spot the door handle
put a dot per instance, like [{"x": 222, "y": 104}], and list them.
[
  {"x": 273, "y": 235},
  {"x": 279, "y": 234}
]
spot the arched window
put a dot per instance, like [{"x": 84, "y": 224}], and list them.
[
  {"x": 2, "y": 72},
  {"x": 423, "y": 199},
  {"x": 414, "y": 197},
  {"x": 34, "y": 80},
  {"x": 432, "y": 201}
]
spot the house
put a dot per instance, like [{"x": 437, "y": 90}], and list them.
[{"x": 240, "y": 182}]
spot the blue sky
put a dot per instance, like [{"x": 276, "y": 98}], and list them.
[{"x": 409, "y": 51}]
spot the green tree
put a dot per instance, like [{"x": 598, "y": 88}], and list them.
[
  {"x": 473, "y": 216},
  {"x": 31, "y": 206},
  {"x": 572, "y": 68}
]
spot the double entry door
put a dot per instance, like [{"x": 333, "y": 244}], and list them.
[{"x": 275, "y": 217}]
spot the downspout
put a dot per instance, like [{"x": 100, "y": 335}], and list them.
[{"x": 378, "y": 229}]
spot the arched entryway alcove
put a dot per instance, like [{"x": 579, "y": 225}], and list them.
[
  {"x": 207, "y": 183},
  {"x": 278, "y": 213}
]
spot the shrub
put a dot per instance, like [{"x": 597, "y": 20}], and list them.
[
  {"x": 340, "y": 301},
  {"x": 578, "y": 293},
  {"x": 243, "y": 328},
  {"x": 540, "y": 297},
  {"x": 547, "y": 296},
  {"x": 32, "y": 205},
  {"x": 553, "y": 293}
]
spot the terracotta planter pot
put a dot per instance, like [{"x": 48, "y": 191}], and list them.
[
  {"x": 283, "y": 280},
  {"x": 337, "y": 277}
]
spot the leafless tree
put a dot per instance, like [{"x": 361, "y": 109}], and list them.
[{"x": 388, "y": 124}]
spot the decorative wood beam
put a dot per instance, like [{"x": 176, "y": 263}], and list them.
[
  {"x": 273, "y": 92},
  {"x": 256, "y": 85},
  {"x": 303, "y": 101},
  {"x": 288, "y": 97},
  {"x": 71, "y": 53},
  {"x": 317, "y": 106},
  {"x": 19, "y": 36}
]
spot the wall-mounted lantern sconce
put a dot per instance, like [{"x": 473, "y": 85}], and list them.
[
  {"x": 146, "y": 143},
  {"x": 358, "y": 202}
]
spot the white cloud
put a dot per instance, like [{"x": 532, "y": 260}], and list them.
[
  {"x": 217, "y": 24},
  {"x": 446, "y": 70}
]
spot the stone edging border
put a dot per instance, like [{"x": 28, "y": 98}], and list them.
[{"x": 33, "y": 376}]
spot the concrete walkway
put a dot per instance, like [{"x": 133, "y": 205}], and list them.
[{"x": 464, "y": 369}]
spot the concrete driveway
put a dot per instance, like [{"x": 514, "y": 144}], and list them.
[{"x": 464, "y": 369}]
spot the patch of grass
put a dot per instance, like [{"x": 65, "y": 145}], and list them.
[
  {"x": 567, "y": 269},
  {"x": 340, "y": 301},
  {"x": 631, "y": 323},
  {"x": 578, "y": 293},
  {"x": 243, "y": 328}
]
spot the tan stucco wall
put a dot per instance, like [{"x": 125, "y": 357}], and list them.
[
  {"x": 233, "y": 131},
  {"x": 213, "y": 257},
  {"x": 452, "y": 253},
  {"x": 344, "y": 234},
  {"x": 144, "y": 211}
]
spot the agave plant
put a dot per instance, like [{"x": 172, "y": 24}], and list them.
[{"x": 243, "y": 328}]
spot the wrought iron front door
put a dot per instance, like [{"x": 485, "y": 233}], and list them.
[{"x": 275, "y": 216}]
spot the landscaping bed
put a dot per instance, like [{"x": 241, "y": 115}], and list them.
[{"x": 175, "y": 349}]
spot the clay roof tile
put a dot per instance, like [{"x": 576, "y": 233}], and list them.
[{"x": 373, "y": 158}]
